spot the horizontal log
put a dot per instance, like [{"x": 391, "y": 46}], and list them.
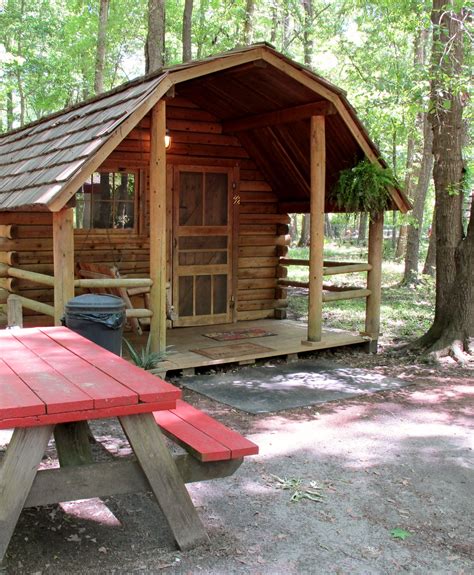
[
  {"x": 8, "y": 284},
  {"x": 137, "y": 312},
  {"x": 263, "y": 251},
  {"x": 113, "y": 283},
  {"x": 116, "y": 477},
  {"x": 284, "y": 116},
  {"x": 31, "y": 276},
  {"x": 256, "y": 208},
  {"x": 8, "y": 231},
  {"x": 258, "y": 229},
  {"x": 36, "y": 306},
  {"x": 10, "y": 258},
  {"x": 26, "y": 218},
  {"x": 347, "y": 294},
  {"x": 330, "y": 268},
  {"x": 251, "y": 273},
  {"x": 256, "y": 294},
  {"x": 292, "y": 283},
  {"x": 346, "y": 269},
  {"x": 256, "y": 186},
  {"x": 257, "y": 262},
  {"x": 253, "y": 315},
  {"x": 264, "y": 218},
  {"x": 264, "y": 283}
]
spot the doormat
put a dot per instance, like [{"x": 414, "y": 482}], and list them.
[
  {"x": 238, "y": 334},
  {"x": 275, "y": 387},
  {"x": 226, "y": 351}
]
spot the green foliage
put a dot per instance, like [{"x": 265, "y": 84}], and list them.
[
  {"x": 365, "y": 187},
  {"x": 145, "y": 357},
  {"x": 400, "y": 534}
]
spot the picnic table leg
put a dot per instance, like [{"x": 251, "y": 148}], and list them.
[
  {"x": 150, "y": 448},
  {"x": 72, "y": 443},
  {"x": 17, "y": 473}
]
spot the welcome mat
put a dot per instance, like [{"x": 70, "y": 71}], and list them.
[
  {"x": 226, "y": 351},
  {"x": 238, "y": 334},
  {"x": 275, "y": 387}
]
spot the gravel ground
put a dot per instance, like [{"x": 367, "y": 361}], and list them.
[{"x": 381, "y": 484}]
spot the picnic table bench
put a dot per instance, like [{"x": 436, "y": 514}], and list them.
[{"x": 52, "y": 381}]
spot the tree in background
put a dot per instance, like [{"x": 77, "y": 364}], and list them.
[
  {"x": 452, "y": 331},
  {"x": 101, "y": 47},
  {"x": 155, "y": 40},
  {"x": 187, "y": 27}
]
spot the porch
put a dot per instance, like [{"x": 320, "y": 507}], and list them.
[{"x": 288, "y": 338}]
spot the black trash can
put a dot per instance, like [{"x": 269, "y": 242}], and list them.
[{"x": 98, "y": 317}]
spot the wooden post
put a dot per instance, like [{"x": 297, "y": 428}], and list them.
[
  {"x": 316, "y": 246},
  {"x": 158, "y": 226},
  {"x": 374, "y": 280},
  {"x": 14, "y": 311},
  {"x": 63, "y": 254}
]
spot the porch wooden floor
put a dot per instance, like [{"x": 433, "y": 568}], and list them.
[{"x": 286, "y": 341}]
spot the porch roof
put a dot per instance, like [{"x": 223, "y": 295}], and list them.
[{"x": 43, "y": 164}]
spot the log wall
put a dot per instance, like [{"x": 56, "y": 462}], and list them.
[{"x": 197, "y": 139}]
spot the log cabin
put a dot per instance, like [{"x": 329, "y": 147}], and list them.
[{"x": 185, "y": 179}]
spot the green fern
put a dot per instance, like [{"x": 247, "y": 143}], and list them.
[
  {"x": 365, "y": 187},
  {"x": 145, "y": 357}
]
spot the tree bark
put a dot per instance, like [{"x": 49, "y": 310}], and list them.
[
  {"x": 187, "y": 27},
  {"x": 101, "y": 47},
  {"x": 414, "y": 230},
  {"x": 430, "y": 262},
  {"x": 453, "y": 326},
  {"x": 155, "y": 42},
  {"x": 362, "y": 234},
  {"x": 307, "y": 32},
  {"x": 248, "y": 23},
  {"x": 305, "y": 226}
]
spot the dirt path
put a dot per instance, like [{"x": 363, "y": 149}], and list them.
[{"x": 399, "y": 460}]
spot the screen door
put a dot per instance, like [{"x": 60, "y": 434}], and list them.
[{"x": 202, "y": 246}]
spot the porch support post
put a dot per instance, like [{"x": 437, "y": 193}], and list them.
[
  {"x": 316, "y": 246},
  {"x": 374, "y": 280},
  {"x": 158, "y": 226},
  {"x": 63, "y": 257}
]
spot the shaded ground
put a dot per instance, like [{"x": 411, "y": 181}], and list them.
[{"x": 399, "y": 459}]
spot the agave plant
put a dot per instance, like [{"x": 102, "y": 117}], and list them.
[{"x": 145, "y": 357}]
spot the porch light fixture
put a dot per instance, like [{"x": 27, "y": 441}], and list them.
[{"x": 167, "y": 139}]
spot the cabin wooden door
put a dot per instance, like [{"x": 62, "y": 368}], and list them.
[{"x": 202, "y": 245}]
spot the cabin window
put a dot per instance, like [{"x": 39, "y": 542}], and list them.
[{"x": 106, "y": 201}]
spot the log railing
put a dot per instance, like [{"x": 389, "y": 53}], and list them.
[
  {"x": 9, "y": 274},
  {"x": 329, "y": 269}
]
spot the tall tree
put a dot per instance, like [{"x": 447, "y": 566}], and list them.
[
  {"x": 248, "y": 22},
  {"x": 453, "y": 326},
  {"x": 155, "y": 41},
  {"x": 414, "y": 229},
  {"x": 187, "y": 21},
  {"x": 101, "y": 47}
]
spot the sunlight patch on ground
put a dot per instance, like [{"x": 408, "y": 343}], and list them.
[{"x": 91, "y": 510}]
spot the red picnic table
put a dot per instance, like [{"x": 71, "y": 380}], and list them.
[{"x": 53, "y": 380}]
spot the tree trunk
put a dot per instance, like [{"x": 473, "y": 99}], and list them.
[
  {"x": 187, "y": 26},
  {"x": 430, "y": 262},
  {"x": 304, "y": 237},
  {"x": 453, "y": 326},
  {"x": 362, "y": 233},
  {"x": 414, "y": 230},
  {"x": 415, "y": 156},
  {"x": 155, "y": 42},
  {"x": 307, "y": 32},
  {"x": 294, "y": 228},
  {"x": 101, "y": 47},
  {"x": 328, "y": 230},
  {"x": 248, "y": 23}
]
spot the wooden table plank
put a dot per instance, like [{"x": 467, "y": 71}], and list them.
[
  {"x": 238, "y": 445},
  {"x": 51, "y": 387},
  {"x": 84, "y": 414},
  {"x": 104, "y": 390},
  {"x": 202, "y": 446},
  {"x": 16, "y": 398},
  {"x": 148, "y": 387}
]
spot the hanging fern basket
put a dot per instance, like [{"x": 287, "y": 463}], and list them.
[{"x": 364, "y": 188}]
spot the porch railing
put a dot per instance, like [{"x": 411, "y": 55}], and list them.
[
  {"x": 336, "y": 293},
  {"x": 9, "y": 275}
]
